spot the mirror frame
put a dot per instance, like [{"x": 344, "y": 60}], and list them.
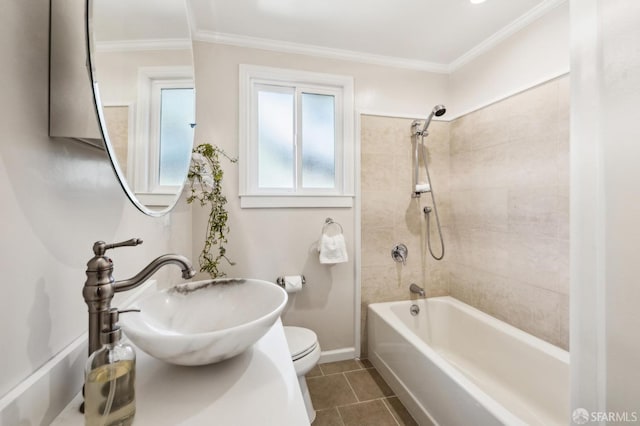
[{"x": 75, "y": 108}]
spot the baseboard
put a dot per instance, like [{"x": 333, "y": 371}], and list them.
[{"x": 337, "y": 355}]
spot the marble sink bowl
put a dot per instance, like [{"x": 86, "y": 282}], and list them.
[{"x": 204, "y": 322}]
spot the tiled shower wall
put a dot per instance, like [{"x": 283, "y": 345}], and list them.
[
  {"x": 391, "y": 216},
  {"x": 510, "y": 210},
  {"x": 501, "y": 181}
]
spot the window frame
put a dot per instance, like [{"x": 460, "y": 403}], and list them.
[
  {"x": 151, "y": 80},
  {"x": 341, "y": 87}
]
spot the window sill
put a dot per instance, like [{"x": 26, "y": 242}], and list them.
[
  {"x": 295, "y": 201},
  {"x": 150, "y": 199}
]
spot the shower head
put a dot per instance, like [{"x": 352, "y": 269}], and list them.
[{"x": 438, "y": 111}]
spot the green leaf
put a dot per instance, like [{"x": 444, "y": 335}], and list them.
[{"x": 217, "y": 228}]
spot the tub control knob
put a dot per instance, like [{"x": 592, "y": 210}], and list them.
[{"x": 399, "y": 253}]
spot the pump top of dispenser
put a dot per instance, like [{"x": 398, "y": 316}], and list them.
[{"x": 112, "y": 333}]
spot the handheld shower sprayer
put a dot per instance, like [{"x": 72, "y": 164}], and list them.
[
  {"x": 437, "y": 111},
  {"x": 419, "y": 188}
]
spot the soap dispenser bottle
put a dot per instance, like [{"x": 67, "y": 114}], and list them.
[{"x": 109, "y": 391}]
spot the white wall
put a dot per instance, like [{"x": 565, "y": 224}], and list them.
[
  {"x": 605, "y": 205},
  {"x": 118, "y": 71},
  {"x": 58, "y": 197},
  {"x": 533, "y": 55},
  {"x": 267, "y": 243}
]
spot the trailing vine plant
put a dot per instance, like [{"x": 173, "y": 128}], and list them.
[{"x": 205, "y": 185}]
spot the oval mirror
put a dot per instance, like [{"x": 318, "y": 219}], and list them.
[{"x": 142, "y": 69}]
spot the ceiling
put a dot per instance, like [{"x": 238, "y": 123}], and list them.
[
  {"x": 434, "y": 35},
  {"x": 134, "y": 20},
  {"x": 429, "y": 34}
]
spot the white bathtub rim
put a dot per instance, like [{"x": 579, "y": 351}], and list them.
[
  {"x": 490, "y": 404},
  {"x": 546, "y": 347}
]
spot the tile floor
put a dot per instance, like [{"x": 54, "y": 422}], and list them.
[{"x": 352, "y": 393}]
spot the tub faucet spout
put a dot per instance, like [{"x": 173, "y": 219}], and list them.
[{"x": 415, "y": 288}]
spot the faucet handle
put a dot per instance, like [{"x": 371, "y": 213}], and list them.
[
  {"x": 399, "y": 253},
  {"x": 100, "y": 247}
]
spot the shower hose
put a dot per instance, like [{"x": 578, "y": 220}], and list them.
[{"x": 427, "y": 210}]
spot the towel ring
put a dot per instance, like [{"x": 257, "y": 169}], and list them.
[{"x": 328, "y": 222}]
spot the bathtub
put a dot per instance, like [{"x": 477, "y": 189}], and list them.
[{"x": 454, "y": 365}]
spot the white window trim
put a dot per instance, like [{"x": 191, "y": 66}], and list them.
[
  {"x": 342, "y": 196},
  {"x": 146, "y": 141}
]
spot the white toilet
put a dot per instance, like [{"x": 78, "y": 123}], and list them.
[{"x": 305, "y": 353}]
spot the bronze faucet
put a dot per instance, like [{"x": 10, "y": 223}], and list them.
[{"x": 100, "y": 286}]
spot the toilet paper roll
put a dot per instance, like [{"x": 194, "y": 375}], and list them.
[
  {"x": 423, "y": 187},
  {"x": 292, "y": 283}
]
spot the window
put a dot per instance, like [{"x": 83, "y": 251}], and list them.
[
  {"x": 164, "y": 135},
  {"x": 173, "y": 113},
  {"x": 296, "y": 138}
]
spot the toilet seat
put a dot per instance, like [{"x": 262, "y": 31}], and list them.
[{"x": 301, "y": 341}]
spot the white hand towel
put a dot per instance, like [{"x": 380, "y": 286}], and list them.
[{"x": 333, "y": 249}]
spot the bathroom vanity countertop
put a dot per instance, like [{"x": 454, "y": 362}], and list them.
[{"x": 257, "y": 387}]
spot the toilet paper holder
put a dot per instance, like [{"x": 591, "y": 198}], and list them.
[{"x": 280, "y": 280}]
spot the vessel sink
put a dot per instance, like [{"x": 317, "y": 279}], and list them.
[{"x": 204, "y": 322}]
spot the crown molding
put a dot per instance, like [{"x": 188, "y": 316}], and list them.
[
  {"x": 389, "y": 61},
  {"x": 506, "y": 32},
  {"x": 312, "y": 50},
  {"x": 148, "y": 44}
]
